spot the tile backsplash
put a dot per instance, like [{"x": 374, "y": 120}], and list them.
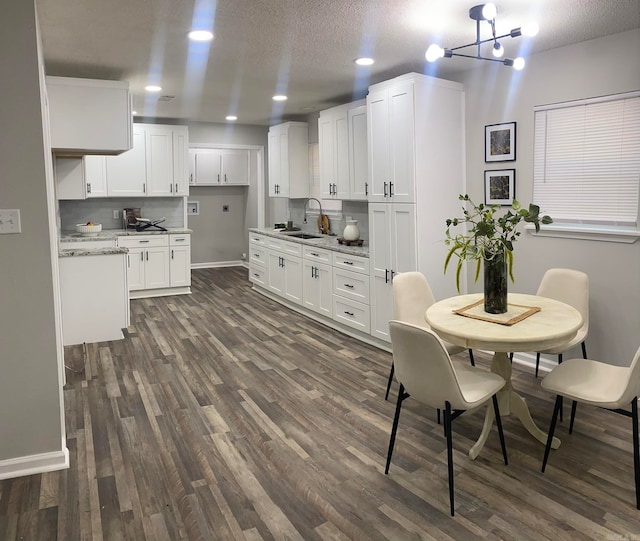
[
  {"x": 355, "y": 210},
  {"x": 101, "y": 211}
]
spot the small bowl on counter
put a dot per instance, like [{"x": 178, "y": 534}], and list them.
[{"x": 89, "y": 230}]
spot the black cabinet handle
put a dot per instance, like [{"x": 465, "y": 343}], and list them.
[
  {"x": 390, "y": 189},
  {"x": 366, "y": 188},
  {"x": 348, "y": 262},
  {"x": 386, "y": 276},
  {"x": 385, "y": 189},
  {"x": 349, "y": 313},
  {"x": 348, "y": 285}
]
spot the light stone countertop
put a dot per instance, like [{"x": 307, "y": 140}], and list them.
[
  {"x": 93, "y": 251},
  {"x": 110, "y": 234},
  {"x": 328, "y": 242}
]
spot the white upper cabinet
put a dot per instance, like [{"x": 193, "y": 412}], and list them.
[
  {"x": 391, "y": 117},
  {"x": 80, "y": 178},
  {"x": 156, "y": 166},
  {"x": 219, "y": 166},
  {"x": 342, "y": 142},
  {"x": 289, "y": 160},
  {"x": 89, "y": 116}
]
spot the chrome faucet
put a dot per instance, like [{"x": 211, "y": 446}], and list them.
[{"x": 304, "y": 221}]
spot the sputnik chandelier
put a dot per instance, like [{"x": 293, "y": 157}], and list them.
[{"x": 485, "y": 12}]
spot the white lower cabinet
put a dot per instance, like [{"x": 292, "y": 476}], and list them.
[
  {"x": 179, "y": 260},
  {"x": 317, "y": 281},
  {"x": 158, "y": 263},
  {"x": 328, "y": 283}
]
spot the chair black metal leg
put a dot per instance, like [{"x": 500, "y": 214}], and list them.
[
  {"x": 393, "y": 369},
  {"x": 438, "y": 415},
  {"x": 447, "y": 425},
  {"x": 552, "y": 429},
  {"x": 584, "y": 350},
  {"x": 511, "y": 357},
  {"x": 473, "y": 362},
  {"x": 537, "y": 363},
  {"x": 401, "y": 396},
  {"x": 559, "y": 363},
  {"x": 636, "y": 448},
  {"x": 574, "y": 404},
  {"x": 500, "y": 433}
]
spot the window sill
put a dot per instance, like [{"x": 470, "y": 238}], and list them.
[{"x": 566, "y": 231}]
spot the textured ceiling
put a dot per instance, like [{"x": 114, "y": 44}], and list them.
[{"x": 302, "y": 48}]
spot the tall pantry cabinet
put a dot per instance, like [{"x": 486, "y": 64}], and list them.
[{"x": 415, "y": 127}]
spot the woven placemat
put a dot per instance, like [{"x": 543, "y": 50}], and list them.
[{"x": 514, "y": 313}]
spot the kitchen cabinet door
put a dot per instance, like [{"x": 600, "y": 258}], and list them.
[
  {"x": 333, "y": 142},
  {"x": 288, "y": 152},
  {"x": 156, "y": 267},
  {"x": 358, "y": 154},
  {"x": 293, "y": 278},
  {"x": 235, "y": 167},
  {"x": 180, "y": 137},
  {"x": 127, "y": 173},
  {"x": 159, "y": 160},
  {"x": 180, "y": 260},
  {"x": 135, "y": 270},
  {"x": 207, "y": 167},
  {"x": 393, "y": 249},
  {"x": 317, "y": 287},
  {"x": 95, "y": 175},
  {"x": 275, "y": 273}
]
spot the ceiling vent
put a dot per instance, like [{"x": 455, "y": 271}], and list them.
[{"x": 166, "y": 98}]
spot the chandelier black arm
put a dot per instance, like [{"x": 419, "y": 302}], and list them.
[
  {"x": 501, "y": 60},
  {"x": 480, "y": 42}
]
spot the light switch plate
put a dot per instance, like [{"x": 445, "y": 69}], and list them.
[{"x": 10, "y": 221}]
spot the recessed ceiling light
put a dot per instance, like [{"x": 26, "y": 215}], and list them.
[
  {"x": 279, "y": 97},
  {"x": 153, "y": 88},
  {"x": 200, "y": 35},
  {"x": 231, "y": 117},
  {"x": 364, "y": 61}
]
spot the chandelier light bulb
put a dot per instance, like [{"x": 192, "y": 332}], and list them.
[
  {"x": 530, "y": 29},
  {"x": 498, "y": 50},
  {"x": 434, "y": 52},
  {"x": 518, "y": 63},
  {"x": 489, "y": 11}
]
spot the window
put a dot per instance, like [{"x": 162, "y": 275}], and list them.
[{"x": 587, "y": 161}]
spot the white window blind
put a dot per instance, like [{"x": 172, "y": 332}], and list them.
[{"x": 587, "y": 160}]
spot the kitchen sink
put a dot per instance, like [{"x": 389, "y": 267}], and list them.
[{"x": 304, "y": 235}]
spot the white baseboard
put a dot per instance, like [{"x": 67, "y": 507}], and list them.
[
  {"x": 33, "y": 464},
  {"x": 217, "y": 264},
  {"x": 529, "y": 360}
]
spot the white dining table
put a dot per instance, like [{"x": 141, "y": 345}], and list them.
[{"x": 554, "y": 324}]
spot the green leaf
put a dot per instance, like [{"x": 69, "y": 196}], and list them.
[{"x": 458, "y": 271}]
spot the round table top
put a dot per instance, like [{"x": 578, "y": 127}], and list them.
[{"x": 554, "y": 324}]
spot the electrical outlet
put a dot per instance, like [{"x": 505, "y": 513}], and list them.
[
  {"x": 116, "y": 214},
  {"x": 225, "y": 208},
  {"x": 10, "y": 221}
]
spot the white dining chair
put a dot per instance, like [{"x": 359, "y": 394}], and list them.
[
  {"x": 597, "y": 384},
  {"x": 412, "y": 296},
  {"x": 426, "y": 373},
  {"x": 571, "y": 287}
]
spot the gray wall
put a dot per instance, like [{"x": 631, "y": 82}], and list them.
[
  {"x": 30, "y": 342},
  {"x": 494, "y": 94}
]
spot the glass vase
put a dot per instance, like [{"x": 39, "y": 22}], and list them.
[{"x": 495, "y": 284}]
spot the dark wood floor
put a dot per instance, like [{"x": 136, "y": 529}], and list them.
[{"x": 223, "y": 415}]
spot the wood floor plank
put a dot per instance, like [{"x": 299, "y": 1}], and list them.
[{"x": 223, "y": 415}]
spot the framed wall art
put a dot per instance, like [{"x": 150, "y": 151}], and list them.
[
  {"x": 500, "y": 142},
  {"x": 499, "y": 187}
]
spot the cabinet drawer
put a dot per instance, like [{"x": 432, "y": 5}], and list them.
[
  {"x": 143, "y": 241},
  {"x": 258, "y": 274},
  {"x": 255, "y": 238},
  {"x": 316, "y": 254},
  {"x": 87, "y": 245},
  {"x": 352, "y": 285},
  {"x": 287, "y": 247},
  {"x": 351, "y": 262},
  {"x": 257, "y": 255},
  {"x": 179, "y": 240},
  {"x": 351, "y": 313}
]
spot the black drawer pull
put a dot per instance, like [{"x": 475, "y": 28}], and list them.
[
  {"x": 349, "y": 313},
  {"x": 348, "y": 262},
  {"x": 348, "y": 285}
]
